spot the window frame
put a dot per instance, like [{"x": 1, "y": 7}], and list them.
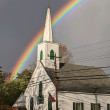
[
  {"x": 95, "y": 104},
  {"x": 75, "y": 106}
]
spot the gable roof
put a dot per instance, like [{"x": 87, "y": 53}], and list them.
[
  {"x": 20, "y": 102},
  {"x": 85, "y": 73}
]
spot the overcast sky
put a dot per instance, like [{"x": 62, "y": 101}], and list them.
[{"x": 89, "y": 23}]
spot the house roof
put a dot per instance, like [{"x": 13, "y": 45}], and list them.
[
  {"x": 78, "y": 78},
  {"x": 20, "y": 102}
]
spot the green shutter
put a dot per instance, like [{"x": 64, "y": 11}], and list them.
[
  {"x": 82, "y": 106},
  {"x": 108, "y": 105},
  {"x": 52, "y": 54},
  {"x": 31, "y": 103},
  {"x": 92, "y": 106},
  {"x": 73, "y": 105},
  {"x": 40, "y": 98},
  {"x": 99, "y": 107},
  {"x": 49, "y": 104},
  {"x": 40, "y": 89},
  {"x": 41, "y": 55}
]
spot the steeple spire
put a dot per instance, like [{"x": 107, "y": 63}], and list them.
[{"x": 48, "y": 28}]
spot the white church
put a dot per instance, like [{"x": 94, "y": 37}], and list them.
[{"x": 79, "y": 87}]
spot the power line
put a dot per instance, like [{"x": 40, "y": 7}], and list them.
[
  {"x": 34, "y": 85},
  {"x": 90, "y": 50},
  {"x": 72, "y": 99},
  {"x": 82, "y": 96},
  {"x": 91, "y": 57},
  {"x": 37, "y": 83},
  {"x": 84, "y": 76},
  {"x": 78, "y": 76},
  {"x": 81, "y": 100},
  {"x": 82, "y": 79},
  {"x": 87, "y": 69},
  {"x": 89, "y": 45},
  {"x": 80, "y": 71}
]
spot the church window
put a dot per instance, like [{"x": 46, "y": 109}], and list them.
[
  {"x": 31, "y": 103},
  {"x": 40, "y": 98},
  {"x": 78, "y": 106},
  {"x": 108, "y": 106},
  {"x": 95, "y": 106},
  {"x": 49, "y": 104},
  {"x": 41, "y": 55},
  {"x": 40, "y": 89},
  {"x": 52, "y": 54}
]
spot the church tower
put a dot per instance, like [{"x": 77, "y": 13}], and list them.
[{"x": 47, "y": 48}]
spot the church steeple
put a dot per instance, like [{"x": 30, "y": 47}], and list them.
[
  {"x": 48, "y": 27},
  {"x": 48, "y": 48}
]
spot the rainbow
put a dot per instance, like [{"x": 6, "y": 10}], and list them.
[{"x": 64, "y": 11}]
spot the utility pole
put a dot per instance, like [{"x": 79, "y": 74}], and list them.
[
  {"x": 96, "y": 105},
  {"x": 56, "y": 84}
]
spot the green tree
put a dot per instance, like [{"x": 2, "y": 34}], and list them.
[
  {"x": 11, "y": 90},
  {"x": 2, "y": 82},
  {"x": 25, "y": 75},
  {"x": 2, "y": 78}
]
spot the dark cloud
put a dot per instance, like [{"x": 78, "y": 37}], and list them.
[{"x": 20, "y": 20}]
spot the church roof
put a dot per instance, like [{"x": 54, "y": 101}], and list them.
[
  {"x": 78, "y": 78},
  {"x": 20, "y": 102}
]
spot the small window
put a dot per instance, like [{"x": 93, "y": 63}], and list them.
[
  {"x": 40, "y": 98},
  {"x": 41, "y": 55},
  {"x": 52, "y": 55},
  {"x": 108, "y": 106},
  {"x": 31, "y": 103},
  {"x": 95, "y": 106},
  {"x": 78, "y": 106},
  {"x": 40, "y": 89}
]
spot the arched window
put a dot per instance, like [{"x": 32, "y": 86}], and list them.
[
  {"x": 31, "y": 103},
  {"x": 52, "y": 54},
  {"x": 41, "y": 55}
]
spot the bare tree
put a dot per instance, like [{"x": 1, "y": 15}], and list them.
[{"x": 65, "y": 54}]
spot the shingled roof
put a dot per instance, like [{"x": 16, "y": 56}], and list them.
[{"x": 90, "y": 79}]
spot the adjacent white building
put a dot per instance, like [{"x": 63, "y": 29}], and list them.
[{"x": 79, "y": 87}]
